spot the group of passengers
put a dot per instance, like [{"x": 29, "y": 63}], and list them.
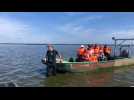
[{"x": 93, "y": 53}]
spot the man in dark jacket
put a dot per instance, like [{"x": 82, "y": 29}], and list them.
[{"x": 50, "y": 60}]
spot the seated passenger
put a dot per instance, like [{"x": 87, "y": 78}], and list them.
[
  {"x": 96, "y": 50},
  {"x": 81, "y": 53},
  {"x": 86, "y": 56},
  {"x": 89, "y": 54},
  {"x": 107, "y": 52},
  {"x": 90, "y": 50},
  {"x": 102, "y": 57},
  {"x": 94, "y": 59},
  {"x": 101, "y": 54}
]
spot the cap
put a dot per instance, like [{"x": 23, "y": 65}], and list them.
[{"x": 82, "y": 46}]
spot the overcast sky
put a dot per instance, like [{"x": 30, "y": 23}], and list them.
[{"x": 65, "y": 27}]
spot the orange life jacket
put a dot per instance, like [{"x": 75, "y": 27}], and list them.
[
  {"x": 93, "y": 58},
  {"x": 81, "y": 51},
  {"x": 96, "y": 51},
  {"x": 86, "y": 56},
  {"x": 90, "y": 59}
]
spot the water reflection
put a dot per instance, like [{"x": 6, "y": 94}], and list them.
[{"x": 100, "y": 79}]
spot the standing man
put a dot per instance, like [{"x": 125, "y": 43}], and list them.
[{"x": 50, "y": 60}]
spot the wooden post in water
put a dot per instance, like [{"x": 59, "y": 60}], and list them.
[{"x": 114, "y": 46}]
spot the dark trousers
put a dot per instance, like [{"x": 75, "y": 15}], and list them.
[{"x": 51, "y": 69}]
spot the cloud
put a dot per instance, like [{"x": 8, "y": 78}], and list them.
[
  {"x": 80, "y": 32},
  {"x": 92, "y": 17},
  {"x": 124, "y": 34},
  {"x": 71, "y": 14},
  {"x": 12, "y": 30},
  {"x": 16, "y": 31},
  {"x": 72, "y": 30},
  {"x": 76, "y": 25},
  {"x": 80, "y": 14},
  {"x": 76, "y": 32}
]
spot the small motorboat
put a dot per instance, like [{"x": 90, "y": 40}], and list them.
[{"x": 67, "y": 66}]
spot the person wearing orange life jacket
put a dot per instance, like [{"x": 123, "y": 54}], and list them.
[
  {"x": 93, "y": 59},
  {"x": 90, "y": 50},
  {"x": 89, "y": 58},
  {"x": 96, "y": 50},
  {"x": 88, "y": 53},
  {"x": 86, "y": 56},
  {"x": 107, "y": 51},
  {"x": 81, "y": 53}
]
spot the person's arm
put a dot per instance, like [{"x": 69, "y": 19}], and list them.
[
  {"x": 58, "y": 54},
  {"x": 45, "y": 57}
]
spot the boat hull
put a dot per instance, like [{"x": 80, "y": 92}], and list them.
[
  {"x": 66, "y": 66},
  {"x": 83, "y": 66},
  {"x": 87, "y": 66}
]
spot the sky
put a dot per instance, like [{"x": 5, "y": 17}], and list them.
[{"x": 65, "y": 27}]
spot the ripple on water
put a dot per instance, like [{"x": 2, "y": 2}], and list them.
[{"x": 21, "y": 63}]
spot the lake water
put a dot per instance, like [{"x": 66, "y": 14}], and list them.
[{"x": 22, "y": 65}]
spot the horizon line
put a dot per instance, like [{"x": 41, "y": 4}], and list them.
[{"x": 57, "y": 43}]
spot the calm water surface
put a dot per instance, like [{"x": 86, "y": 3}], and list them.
[{"x": 22, "y": 65}]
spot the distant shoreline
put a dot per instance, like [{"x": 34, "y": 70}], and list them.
[{"x": 55, "y": 44}]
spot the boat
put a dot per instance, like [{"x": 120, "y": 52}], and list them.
[
  {"x": 116, "y": 61},
  {"x": 66, "y": 66}
]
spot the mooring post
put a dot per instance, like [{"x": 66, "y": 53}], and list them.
[
  {"x": 115, "y": 48},
  {"x": 113, "y": 38}
]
